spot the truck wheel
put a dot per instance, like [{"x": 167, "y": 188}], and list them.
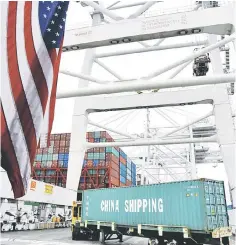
[
  {"x": 152, "y": 241},
  {"x": 73, "y": 236},
  {"x": 96, "y": 236}
]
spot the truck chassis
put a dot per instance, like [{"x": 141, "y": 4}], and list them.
[{"x": 161, "y": 235}]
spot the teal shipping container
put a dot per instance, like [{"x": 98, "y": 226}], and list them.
[{"x": 199, "y": 205}]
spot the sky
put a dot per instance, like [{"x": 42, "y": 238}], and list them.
[{"x": 130, "y": 66}]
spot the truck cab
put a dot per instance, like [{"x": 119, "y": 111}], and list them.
[{"x": 76, "y": 212}]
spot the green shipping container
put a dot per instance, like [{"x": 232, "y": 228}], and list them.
[{"x": 199, "y": 205}]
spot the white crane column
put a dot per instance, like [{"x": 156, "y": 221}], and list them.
[
  {"x": 225, "y": 128},
  {"x": 80, "y": 123}
]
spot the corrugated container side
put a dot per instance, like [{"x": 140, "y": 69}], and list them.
[{"x": 174, "y": 204}]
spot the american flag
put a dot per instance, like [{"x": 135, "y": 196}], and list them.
[{"x": 31, "y": 42}]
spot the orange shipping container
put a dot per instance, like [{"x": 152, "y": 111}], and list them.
[
  {"x": 115, "y": 174},
  {"x": 122, "y": 160},
  {"x": 115, "y": 181},
  {"x": 115, "y": 166},
  {"x": 89, "y": 163}
]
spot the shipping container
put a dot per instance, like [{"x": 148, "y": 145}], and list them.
[
  {"x": 199, "y": 205},
  {"x": 189, "y": 212},
  {"x": 105, "y": 160}
]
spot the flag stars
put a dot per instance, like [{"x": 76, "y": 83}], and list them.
[
  {"x": 48, "y": 29},
  {"x": 63, "y": 19},
  {"x": 48, "y": 8},
  {"x": 53, "y": 41},
  {"x": 56, "y": 14},
  {"x": 45, "y": 16},
  {"x": 57, "y": 34},
  {"x": 52, "y": 22},
  {"x": 59, "y": 7},
  {"x": 60, "y": 26}
]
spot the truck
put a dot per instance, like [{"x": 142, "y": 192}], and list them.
[{"x": 186, "y": 212}]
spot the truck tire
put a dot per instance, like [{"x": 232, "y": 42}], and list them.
[
  {"x": 96, "y": 236},
  {"x": 153, "y": 241},
  {"x": 74, "y": 236}
]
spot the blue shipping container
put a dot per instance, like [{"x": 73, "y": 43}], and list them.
[
  {"x": 122, "y": 179},
  {"x": 95, "y": 162},
  {"x": 186, "y": 204},
  {"x": 97, "y": 134}
]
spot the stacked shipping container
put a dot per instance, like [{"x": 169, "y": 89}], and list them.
[{"x": 102, "y": 167}]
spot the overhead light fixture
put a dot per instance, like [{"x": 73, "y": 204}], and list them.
[
  {"x": 75, "y": 47},
  {"x": 126, "y": 40},
  {"x": 196, "y": 30},
  {"x": 183, "y": 32},
  {"x": 114, "y": 41}
]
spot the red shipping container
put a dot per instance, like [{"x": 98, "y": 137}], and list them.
[
  {"x": 55, "y": 149},
  {"x": 103, "y": 134},
  {"x": 115, "y": 181},
  {"x": 90, "y": 150},
  {"x": 122, "y": 160},
  {"x": 115, "y": 159},
  {"x": 39, "y": 150},
  {"x": 62, "y": 149},
  {"x": 63, "y": 143},
  {"x": 108, "y": 136},
  {"x": 54, "y": 164},
  {"x": 91, "y": 140},
  {"x": 57, "y": 137},
  {"x": 38, "y": 165},
  {"x": 102, "y": 149},
  {"x": 63, "y": 136},
  {"x": 90, "y": 134},
  {"x": 128, "y": 183},
  {"x": 102, "y": 163},
  {"x": 115, "y": 166},
  {"x": 52, "y": 137},
  {"x": 45, "y": 150},
  {"x": 57, "y": 143},
  {"x": 115, "y": 174}
]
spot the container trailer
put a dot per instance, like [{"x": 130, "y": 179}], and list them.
[{"x": 190, "y": 212}]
